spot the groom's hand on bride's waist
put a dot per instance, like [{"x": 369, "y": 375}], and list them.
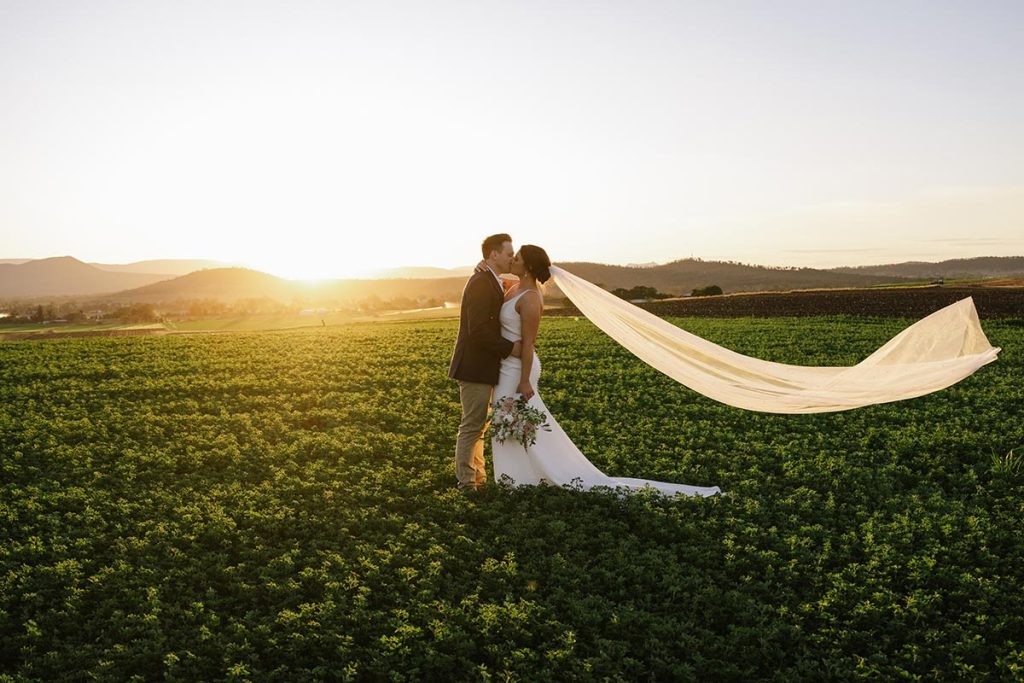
[{"x": 517, "y": 350}]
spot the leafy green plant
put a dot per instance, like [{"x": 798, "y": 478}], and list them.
[{"x": 281, "y": 506}]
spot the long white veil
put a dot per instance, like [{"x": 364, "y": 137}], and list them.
[{"x": 931, "y": 354}]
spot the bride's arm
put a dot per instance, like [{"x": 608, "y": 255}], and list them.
[
  {"x": 506, "y": 284},
  {"x": 530, "y": 309}
]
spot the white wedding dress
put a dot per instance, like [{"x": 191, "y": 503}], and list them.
[{"x": 554, "y": 458}]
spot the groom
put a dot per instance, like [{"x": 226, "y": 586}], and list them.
[{"x": 477, "y": 357}]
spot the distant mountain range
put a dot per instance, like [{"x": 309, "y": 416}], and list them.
[
  {"x": 144, "y": 282},
  {"x": 67, "y": 276},
  {"x": 225, "y": 284},
  {"x": 173, "y": 266},
  {"x": 682, "y": 277},
  {"x": 231, "y": 284},
  {"x": 967, "y": 268}
]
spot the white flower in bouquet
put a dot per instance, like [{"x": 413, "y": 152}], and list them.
[{"x": 514, "y": 418}]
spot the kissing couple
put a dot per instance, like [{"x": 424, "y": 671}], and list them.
[{"x": 495, "y": 359}]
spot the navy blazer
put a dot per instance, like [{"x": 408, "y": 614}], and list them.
[{"x": 480, "y": 346}]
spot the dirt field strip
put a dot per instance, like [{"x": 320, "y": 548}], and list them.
[{"x": 911, "y": 302}]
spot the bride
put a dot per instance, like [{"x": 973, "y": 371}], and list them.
[{"x": 553, "y": 459}]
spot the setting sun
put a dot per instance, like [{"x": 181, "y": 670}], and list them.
[
  {"x": 339, "y": 139},
  {"x": 312, "y": 269}
]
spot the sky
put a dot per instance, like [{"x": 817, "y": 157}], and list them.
[{"x": 323, "y": 139}]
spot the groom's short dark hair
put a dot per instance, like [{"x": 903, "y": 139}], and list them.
[{"x": 493, "y": 243}]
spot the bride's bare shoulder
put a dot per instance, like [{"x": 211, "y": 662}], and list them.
[{"x": 533, "y": 303}]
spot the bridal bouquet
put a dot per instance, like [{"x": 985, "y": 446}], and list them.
[{"x": 514, "y": 418}]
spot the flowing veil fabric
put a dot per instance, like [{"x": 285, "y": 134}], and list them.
[{"x": 932, "y": 354}]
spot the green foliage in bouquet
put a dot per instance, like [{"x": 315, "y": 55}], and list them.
[{"x": 515, "y": 418}]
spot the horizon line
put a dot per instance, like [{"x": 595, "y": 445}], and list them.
[{"x": 384, "y": 273}]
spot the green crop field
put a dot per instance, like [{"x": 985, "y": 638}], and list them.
[
  {"x": 280, "y": 506},
  {"x": 76, "y": 327}
]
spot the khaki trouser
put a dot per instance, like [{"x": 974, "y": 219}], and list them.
[{"x": 469, "y": 448}]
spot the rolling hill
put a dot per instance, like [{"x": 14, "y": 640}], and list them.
[
  {"x": 65, "y": 275},
  {"x": 232, "y": 284},
  {"x": 980, "y": 267},
  {"x": 224, "y": 284},
  {"x": 169, "y": 267},
  {"x": 681, "y": 277}
]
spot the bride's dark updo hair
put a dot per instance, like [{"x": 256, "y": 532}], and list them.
[{"x": 536, "y": 261}]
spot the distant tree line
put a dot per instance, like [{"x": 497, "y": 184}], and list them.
[
  {"x": 21, "y": 313},
  {"x": 697, "y": 259},
  {"x": 646, "y": 292},
  {"x": 640, "y": 292},
  {"x": 374, "y": 303},
  {"x": 73, "y": 312}
]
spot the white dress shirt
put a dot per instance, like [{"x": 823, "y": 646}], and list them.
[{"x": 497, "y": 278}]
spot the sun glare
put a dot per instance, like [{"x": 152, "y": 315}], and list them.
[{"x": 311, "y": 270}]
